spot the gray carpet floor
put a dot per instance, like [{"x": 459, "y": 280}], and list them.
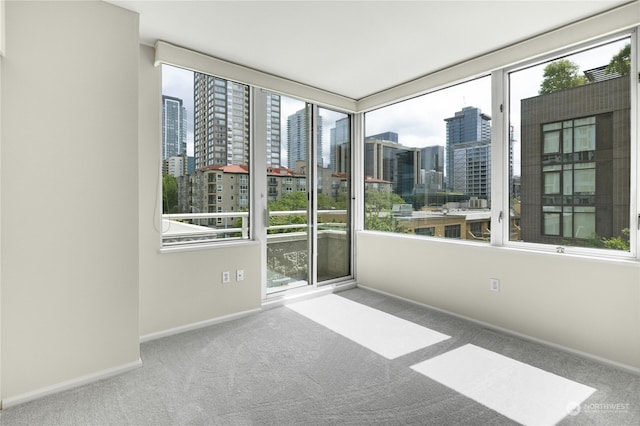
[{"x": 280, "y": 368}]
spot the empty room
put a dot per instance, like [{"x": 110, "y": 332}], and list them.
[{"x": 319, "y": 212}]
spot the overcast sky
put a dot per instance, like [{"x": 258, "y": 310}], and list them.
[{"x": 420, "y": 121}]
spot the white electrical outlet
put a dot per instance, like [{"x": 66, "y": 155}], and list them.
[
  {"x": 226, "y": 277},
  {"x": 240, "y": 275},
  {"x": 494, "y": 284}
]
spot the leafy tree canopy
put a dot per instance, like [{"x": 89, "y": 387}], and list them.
[
  {"x": 559, "y": 75},
  {"x": 621, "y": 62},
  {"x": 381, "y": 200},
  {"x": 298, "y": 201},
  {"x": 295, "y": 200},
  {"x": 169, "y": 194},
  {"x": 378, "y": 215},
  {"x": 325, "y": 202}
]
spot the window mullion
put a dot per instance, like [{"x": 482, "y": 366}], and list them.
[
  {"x": 500, "y": 143},
  {"x": 634, "y": 239}
]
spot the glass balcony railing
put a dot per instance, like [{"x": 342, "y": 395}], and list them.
[
  {"x": 287, "y": 237},
  {"x": 185, "y": 228}
]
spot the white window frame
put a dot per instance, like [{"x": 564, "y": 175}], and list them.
[
  {"x": 500, "y": 223},
  {"x": 500, "y": 139},
  {"x": 498, "y": 63}
]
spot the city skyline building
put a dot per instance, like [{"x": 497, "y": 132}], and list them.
[
  {"x": 385, "y": 136},
  {"x": 274, "y": 130},
  {"x": 432, "y": 158},
  {"x": 178, "y": 166},
  {"x": 298, "y": 133},
  {"x": 469, "y": 130},
  {"x": 472, "y": 169},
  {"x": 175, "y": 166},
  {"x": 339, "y": 136},
  {"x": 221, "y": 122},
  {"x": 392, "y": 162},
  {"x": 174, "y": 127}
]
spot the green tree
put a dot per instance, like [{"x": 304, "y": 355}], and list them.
[
  {"x": 341, "y": 202},
  {"x": 381, "y": 200},
  {"x": 559, "y": 75},
  {"x": 620, "y": 242},
  {"x": 169, "y": 194},
  {"x": 291, "y": 201},
  {"x": 620, "y": 62},
  {"x": 295, "y": 200},
  {"x": 325, "y": 202},
  {"x": 378, "y": 214}
]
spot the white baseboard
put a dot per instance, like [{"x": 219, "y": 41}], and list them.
[
  {"x": 196, "y": 325},
  {"x": 586, "y": 355},
  {"x": 272, "y": 302},
  {"x": 70, "y": 384}
]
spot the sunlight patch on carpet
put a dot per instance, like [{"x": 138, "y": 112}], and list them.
[
  {"x": 383, "y": 333},
  {"x": 523, "y": 393}
]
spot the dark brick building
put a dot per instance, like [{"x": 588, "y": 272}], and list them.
[{"x": 576, "y": 163}]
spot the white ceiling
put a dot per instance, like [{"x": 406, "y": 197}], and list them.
[{"x": 352, "y": 48}]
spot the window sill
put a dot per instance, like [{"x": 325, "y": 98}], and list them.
[
  {"x": 208, "y": 246},
  {"x": 593, "y": 255}
]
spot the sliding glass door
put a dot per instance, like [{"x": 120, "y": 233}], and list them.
[
  {"x": 333, "y": 212},
  {"x": 289, "y": 229},
  {"x": 308, "y": 187}
]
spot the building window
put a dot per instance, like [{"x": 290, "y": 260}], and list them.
[
  {"x": 212, "y": 107},
  {"x": 452, "y": 231},
  {"x": 571, "y": 183},
  {"x": 569, "y": 174},
  {"x": 428, "y": 232},
  {"x": 475, "y": 228}
]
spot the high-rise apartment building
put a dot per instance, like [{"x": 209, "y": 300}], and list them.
[
  {"x": 340, "y": 137},
  {"x": 175, "y": 166},
  {"x": 472, "y": 169},
  {"x": 468, "y": 160},
  {"x": 391, "y": 162},
  {"x": 298, "y": 137},
  {"x": 385, "y": 136},
  {"x": 274, "y": 131},
  {"x": 432, "y": 158},
  {"x": 221, "y": 121},
  {"x": 222, "y": 138},
  {"x": 174, "y": 127}
]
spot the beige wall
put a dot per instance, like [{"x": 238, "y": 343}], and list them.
[
  {"x": 180, "y": 289},
  {"x": 69, "y": 211},
  {"x": 586, "y": 305}
]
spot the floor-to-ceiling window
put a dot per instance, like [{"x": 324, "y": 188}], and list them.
[{"x": 210, "y": 149}]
